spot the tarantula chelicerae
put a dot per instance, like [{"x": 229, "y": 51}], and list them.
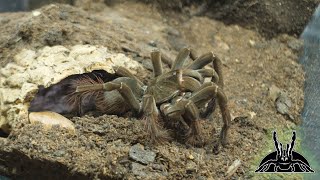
[{"x": 179, "y": 95}]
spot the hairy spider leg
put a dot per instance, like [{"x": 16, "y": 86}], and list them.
[
  {"x": 151, "y": 116},
  {"x": 206, "y": 93},
  {"x": 217, "y": 76},
  {"x": 156, "y": 63},
  {"x": 181, "y": 58}
]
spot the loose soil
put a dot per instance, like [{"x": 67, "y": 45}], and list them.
[{"x": 100, "y": 146}]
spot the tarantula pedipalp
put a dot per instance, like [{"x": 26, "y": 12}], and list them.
[{"x": 176, "y": 95}]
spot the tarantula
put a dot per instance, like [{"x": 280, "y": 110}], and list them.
[{"x": 179, "y": 95}]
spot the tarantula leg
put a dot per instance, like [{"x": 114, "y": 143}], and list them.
[
  {"x": 203, "y": 95},
  {"x": 193, "y": 54},
  {"x": 167, "y": 60},
  {"x": 190, "y": 84},
  {"x": 192, "y": 116},
  {"x": 151, "y": 115},
  {"x": 187, "y": 82},
  {"x": 206, "y": 59},
  {"x": 209, "y": 73},
  {"x": 209, "y": 109},
  {"x": 124, "y": 72},
  {"x": 156, "y": 63},
  {"x": 122, "y": 88},
  {"x": 193, "y": 73},
  {"x": 187, "y": 113},
  {"x": 181, "y": 58},
  {"x": 214, "y": 78}
]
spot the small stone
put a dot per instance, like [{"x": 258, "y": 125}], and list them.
[
  {"x": 50, "y": 119},
  {"x": 252, "y": 43},
  {"x": 224, "y": 46},
  {"x": 252, "y": 114},
  {"x": 296, "y": 45},
  {"x": 138, "y": 153},
  {"x": 191, "y": 167},
  {"x": 283, "y": 103},
  {"x": 172, "y": 31},
  {"x": 63, "y": 15},
  {"x": 36, "y": 13},
  {"x": 233, "y": 168},
  {"x": 152, "y": 43},
  {"x": 59, "y": 153},
  {"x": 274, "y": 92},
  {"x": 190, "y": 157},
  {"x": 138, "y": 169}
]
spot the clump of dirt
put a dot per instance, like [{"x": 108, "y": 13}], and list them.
[
  {"x": 268, "y": 17},
  {"x": 100, "y": 148}
]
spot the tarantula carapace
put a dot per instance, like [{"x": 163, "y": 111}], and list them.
[{"x": 179, "y": 95}]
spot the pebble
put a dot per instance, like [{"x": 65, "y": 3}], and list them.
[
  {"x": 190, "y": 157},
  {"x": 50, "y": 119},
  {"x": 152, "y": 43},
  {"x": 224, "y": 46},
  {"x": 252, "y": 43},
  {"x": 59, "y": 153},
  {"x": 138, "y": 153},
  {"x": 295, "y": 45},
  {"x": 36, "y": 13},
  {"x": 274, "y": 92},
  {"x": 144, "y": 172},
  {"x": 283, "y": 103},
  {"x": 233, "y": 168},
  {"x": 281, "y": 99},
  {"x": 138, "y": 169},
  {"x": 191, "y": 167}
]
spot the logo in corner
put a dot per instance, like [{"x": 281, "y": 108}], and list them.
[{"x": 284, "y": 159}]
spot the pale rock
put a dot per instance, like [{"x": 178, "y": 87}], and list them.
[
  {"x": 49, "y": 66},
  {"x": 274, "y": 92},
  {"x": 49, "y": 119},
  {"x": 252, "y": 43},
  {"x": 36, "y": 13}
]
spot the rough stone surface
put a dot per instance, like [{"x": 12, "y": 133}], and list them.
[
  {"x": 138, "y": 153},
  {"x": 46, "y": 67},
  {"x": 49, "y": 119}
]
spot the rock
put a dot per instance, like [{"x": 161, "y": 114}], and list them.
[
  {"x": 172, "y": 31},
  {"x": 138, "y": 169},
  {"x": 59, "y": 153},
  {"x": 36, "y": 13},
  {"x": 49, "y": 119},
  {"x": 45, "y": 67},
  {"x": 233, "y": 168},
  {"x": 138, "y": 153},
  {"x": 191, "y": 167},
  {"x": 224, "y": 46},
  {"x": 252, "y": 43},
  {"x": 54, "y": 37},
  {"x": 283, "y": 103},
  {"x": 190, "y": 157},
  {"x": 281, "y": 99},
  {"x": 152, "y": 43},
  {"x": 274, "y": 92},
  {"x": 144, "y": 172},
  {"x": 296, "y": 45}
]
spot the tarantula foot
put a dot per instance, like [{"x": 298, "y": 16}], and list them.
[
  {"x": 195, "y": 140},
  {"x": 156, "y": 133},
  {"x": 160, "y": 137}
]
